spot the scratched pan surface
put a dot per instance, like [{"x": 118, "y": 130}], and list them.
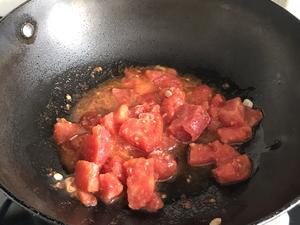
[{"x": 252, "y": 45}]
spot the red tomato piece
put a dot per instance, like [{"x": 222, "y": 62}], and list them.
[
  {"x": 115, "y": 165},
  {"x": 201, "y": 94},
  {"x": 164, "y": 78},
  {"x": 121, "y": 114},
  {"x": 64, "y": 130},
  {"x": 232, "y": 113},
  {"x": 174, "y": 99},
  {"x": 96, "y": 147},
  {"x": 200, "y": 154},
  {"x": 124, "y": 96},
  {"x": 223, "y": 152},
  {"x": 86, "y": 199},
  {"x": 140, "y": 85},
  {"x": 70, "y": 152},
  {"x": 89, "y": 120},
  {"x": 215, "y": 152},
  {"x": 216, "y": 103},
  {"x": 165, "y": 166},
  {"x": 152, "y": 98},
  {"x": 144, "y": 132},
  {"x": 167, "y": 143},
  {"x": 231, "y": 135},
  {"x": 189, "y": 123},
  {"x": 109, "y": 123},
  {"x": 140, "y": 182},
  {"x": 253, "y": 116},
  {"x": 109, "y": 187},
  {"x": 154, "y": 204},
  {"x": 236, "y": 170},
  {"x": 86, "y": 176}
]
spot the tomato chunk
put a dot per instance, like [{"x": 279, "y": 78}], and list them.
[
  {"x": 189, "y": 123},
  {"x": 109, "y": 187},
  {"x": 231, "y": 135},
  {"x": 232, "y": 113},
  {"x": 109, "y": 123},
  {"x": 253, "y": 116},
  {"x": 115, "y": 165},
  {"x": 144, "y": 132},
  {"x": 140, "y": 182},
  {"x": 215, "y": 152},
  {"x": 86, "y": 176},
  {"x": 96, "y": 147},
  {"x": 70, "y": 152},
  {"x": 64, "y": 130},
  {"x": 86, "y": 199},
  {"x": 89, "y": 120},
  {"x": 124, "y": 96},
  {"x": 165, "y": 166},
  {"x": 174, "y": 99},
  {"x": 164, "y": 78},
  {"x": 201, "y": 94},
  {"x": 154, "y": 204},
  {"x": 121, "y": 114},
  {"x": 236, "y": 170}
]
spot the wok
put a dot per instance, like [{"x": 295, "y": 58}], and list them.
[{"x": 254, "y": 45}]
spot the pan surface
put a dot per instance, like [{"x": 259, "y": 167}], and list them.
[{"x": 255, "y": 44}]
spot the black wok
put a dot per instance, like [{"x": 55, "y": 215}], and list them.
[{"x": 254, "y": 44}]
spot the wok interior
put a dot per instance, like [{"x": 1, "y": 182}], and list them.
[{"x": 250, "y": 44}]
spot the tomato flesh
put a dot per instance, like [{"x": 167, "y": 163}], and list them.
[
  {"x": 110, "y": 187},
  {"x": 86, "y": 176}
]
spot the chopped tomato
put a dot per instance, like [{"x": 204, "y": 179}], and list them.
[
  {"x": 144, "y": 132},
  {"x": 89, "y": 120},
  {"x": 96, "y": 146},
  {"x": 86, "y": 199},
  {"x": 232, "y": 113},
  {"x": 216, "y": 103},
  {"x": 140, "y": 182},
  {"x": 201, "y": 94},
  {"x": 140, "y": 85},
  {"x": 86, "y": 176},
  {"x": 115, "y": 165},
  {"x": 236, "y": 170},
  {"x": 164, "y": 78},
  {"x": 109, "y": 123},
  {"x": 109, "y": 187},
  {"x": 70, "y": 152},
  {"x": 121, "y": 114},
  {"x": 174, "y": 99},
  {"x": 165, "y": 166},
  {"x": 253, "y": 116},
  {"x": 189, "y": 123},
  {"x": 64, "y": 130},
  {"x": 167, "y": 143},
  {"x": 200, "y": 154},
  {"x": 124, "y": 96},
  {"x": 215, "y": 152},
  {"x": 230, "y": 135},
  {"x": 154, "y": 204}
]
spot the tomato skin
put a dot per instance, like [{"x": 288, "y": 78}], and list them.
[
  {"x": 236, "y": 170},
  {"x": 201, "y": 94},
  {"x": 154, "y": 204},
  {"x": 96, "y": 146},
  {"x": 232, "y": 135},
  {"x": 232, "y": 113},
  {"x": 140, "y": 182},
  {"x": 165, "y": 166},
  {"x": 65, "y": 130},
  {"x": 144, "y": 132},
  {"x": 115, "y": 165},
  {"x": 86, "y": 176},
  {"x": 109, "y": 187},
  {"x": 189, "y": 123},
  {"x": 86, "y": 199}
]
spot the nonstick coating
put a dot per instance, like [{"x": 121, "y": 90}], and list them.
[{"x": 255, "y": 44}]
